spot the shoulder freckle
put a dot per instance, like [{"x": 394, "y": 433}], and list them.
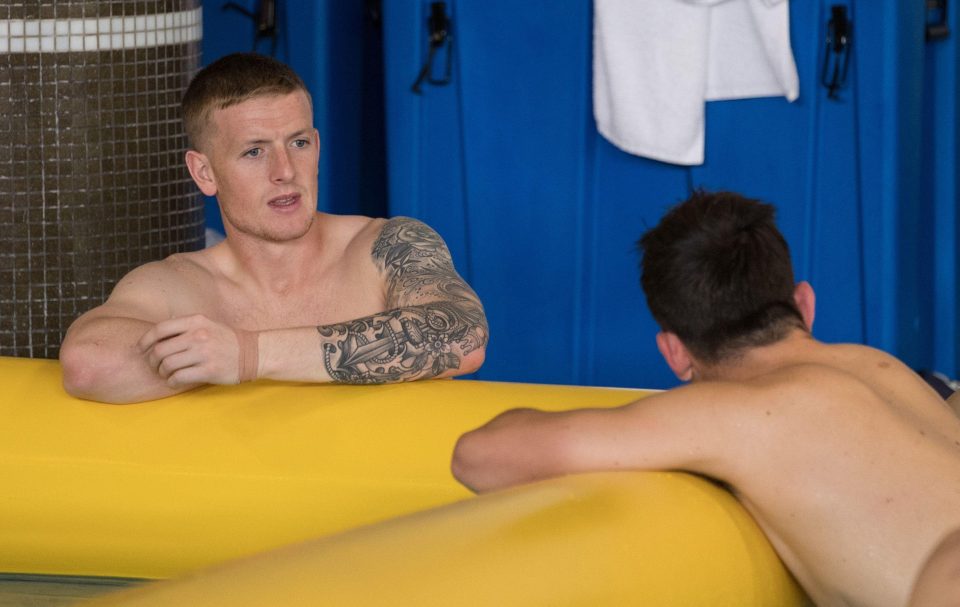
[{"x": 883, "y": 364}]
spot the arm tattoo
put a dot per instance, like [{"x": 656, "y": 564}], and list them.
[{"x": 435, "y": 317}]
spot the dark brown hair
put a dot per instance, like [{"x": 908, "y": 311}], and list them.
[
  {"x": 716, "y": 271},
  {"x": 231, "y": 80}
]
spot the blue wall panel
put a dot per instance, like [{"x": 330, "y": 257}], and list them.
[
  {"x": 551, "y": 211},
  {"x": 542, "y": 213},
  {"x": 524, "y": 144},
  {"x": 941, "y": 165},
  {"x": 629, "y": 196}
]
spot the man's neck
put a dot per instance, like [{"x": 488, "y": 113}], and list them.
[
  {"x": 275, "y": 266},
  {"x": 797, "y": 347}
]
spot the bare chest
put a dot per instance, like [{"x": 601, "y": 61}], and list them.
[{"x": 321, "y": 303}]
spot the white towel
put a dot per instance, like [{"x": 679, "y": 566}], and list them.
[{"x": 655, "y": 63}]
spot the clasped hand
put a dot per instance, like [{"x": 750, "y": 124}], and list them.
[{"x": 191, "y": 350}]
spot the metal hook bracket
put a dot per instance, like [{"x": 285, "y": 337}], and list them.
[
  {"x": 937, "y": 29},
  {"x": 264, "y": 20},
  {"x": 836, "y": 57},
  {"x": 438, "y": 30}
]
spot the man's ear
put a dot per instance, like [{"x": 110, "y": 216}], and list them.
[
  {"x": 199, "y": 166},
  {"x": 676, "y": 355},
  {"x": 806, "y": 301}
]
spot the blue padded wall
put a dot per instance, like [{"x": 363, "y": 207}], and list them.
[
  {"x": 940, "y": 167},
  {"x": 541, "y": 213}
]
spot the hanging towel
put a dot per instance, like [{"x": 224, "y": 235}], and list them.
[{"x": 655, "y": 63}]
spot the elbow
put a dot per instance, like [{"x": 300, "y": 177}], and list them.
[
  {"x": 82, "y": 375},
  {"x": 493, "y": 456},
  {"x": 467, "y": 464},
  {"x": 464, "y": 363},
  {"x": 469, "y": 349},
  {"x": 473, "y": 361},
  {"x": 514, "y": 448},
  {"x": 79, "y": 376}
]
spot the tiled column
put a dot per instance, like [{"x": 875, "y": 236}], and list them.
[{"x": 92, "y": 180}]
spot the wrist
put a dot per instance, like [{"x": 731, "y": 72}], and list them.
[{"x": 249, "y": 355}]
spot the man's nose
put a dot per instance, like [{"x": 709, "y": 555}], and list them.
[{"x": 281, "y": 169}]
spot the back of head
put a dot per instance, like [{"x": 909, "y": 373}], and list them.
[
  {"x": 716, "y": 271},
  {"x": 231, "y": 80}
]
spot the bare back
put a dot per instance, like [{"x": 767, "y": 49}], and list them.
[{"x": 851, "y": 465}]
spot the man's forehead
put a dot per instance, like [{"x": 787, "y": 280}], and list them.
[
  {"x": 290, "y": 112},
  {"x": 268, "y": 101}
]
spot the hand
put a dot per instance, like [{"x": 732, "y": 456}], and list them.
[{"x": 191, "y": 350}]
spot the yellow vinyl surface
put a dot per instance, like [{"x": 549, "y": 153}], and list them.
[
  {"x": 157, "y": 489},
  {"x": 167, "y": 488},
  {"x": 604, "y": 539}
]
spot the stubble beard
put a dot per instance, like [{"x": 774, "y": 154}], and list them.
[{"x": 274, "y": 236}]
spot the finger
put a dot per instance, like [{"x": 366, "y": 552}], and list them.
[
  {"x": 170, "y": 365},
  {"x": 163, "y": 330},
  {"x": 168, "y": 347},
  {"x": 187, "y": 377}
]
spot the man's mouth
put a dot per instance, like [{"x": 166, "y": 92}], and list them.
[{"x": 284, "y": 201}]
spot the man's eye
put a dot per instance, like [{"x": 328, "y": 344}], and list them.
[
  {"x": 254, "y": 153},
  {"x": 301, "y": 143}
]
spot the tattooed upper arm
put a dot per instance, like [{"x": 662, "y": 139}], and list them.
[
  {"x": 417, "y": 265},
  {"x": 433, "y": 321}
]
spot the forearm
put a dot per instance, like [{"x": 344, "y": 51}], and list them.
[
  {"x": 101, "y": 361},
  {"x": 438, "y": 339}
]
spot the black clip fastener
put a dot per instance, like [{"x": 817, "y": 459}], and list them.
[
  {"x": 438, "y": 28},
  {"x": 264, "y": 20},
  {"x": 836, "y": 58},
  {"x": 937, "y": 28}
]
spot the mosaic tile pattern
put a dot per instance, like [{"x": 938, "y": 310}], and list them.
[
  {"x": 92, "y": 181},
  {"x": 99, "y": 33}
]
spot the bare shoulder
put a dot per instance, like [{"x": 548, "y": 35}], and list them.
[
  {"x": 726, "y": 423},
  {"x": 352, "y": 231},
  {"x": 406, "y": 233},
  {"x": 813, "y": 389},
  {"x": 158, "y": 288},
  {"x": 781, "y": 387},
  {"x": 890, "y": 378},
  {"x": 771, "y": 404}
]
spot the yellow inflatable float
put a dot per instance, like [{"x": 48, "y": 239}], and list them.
[
  {"x": 605, "y": 539},
  {"x": 163, "y": 489}
]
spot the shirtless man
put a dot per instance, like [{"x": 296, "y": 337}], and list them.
[
  {"x": 846, "y": 458},
  {"x": 291, "y": 293}
]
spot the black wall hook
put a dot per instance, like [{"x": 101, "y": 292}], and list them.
[
  {"x": 438, "y": 29},
  {"x": 937, "y": 28},
  {"x": 836, "y": 57},
  {"x": 264, "y": 20}
]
